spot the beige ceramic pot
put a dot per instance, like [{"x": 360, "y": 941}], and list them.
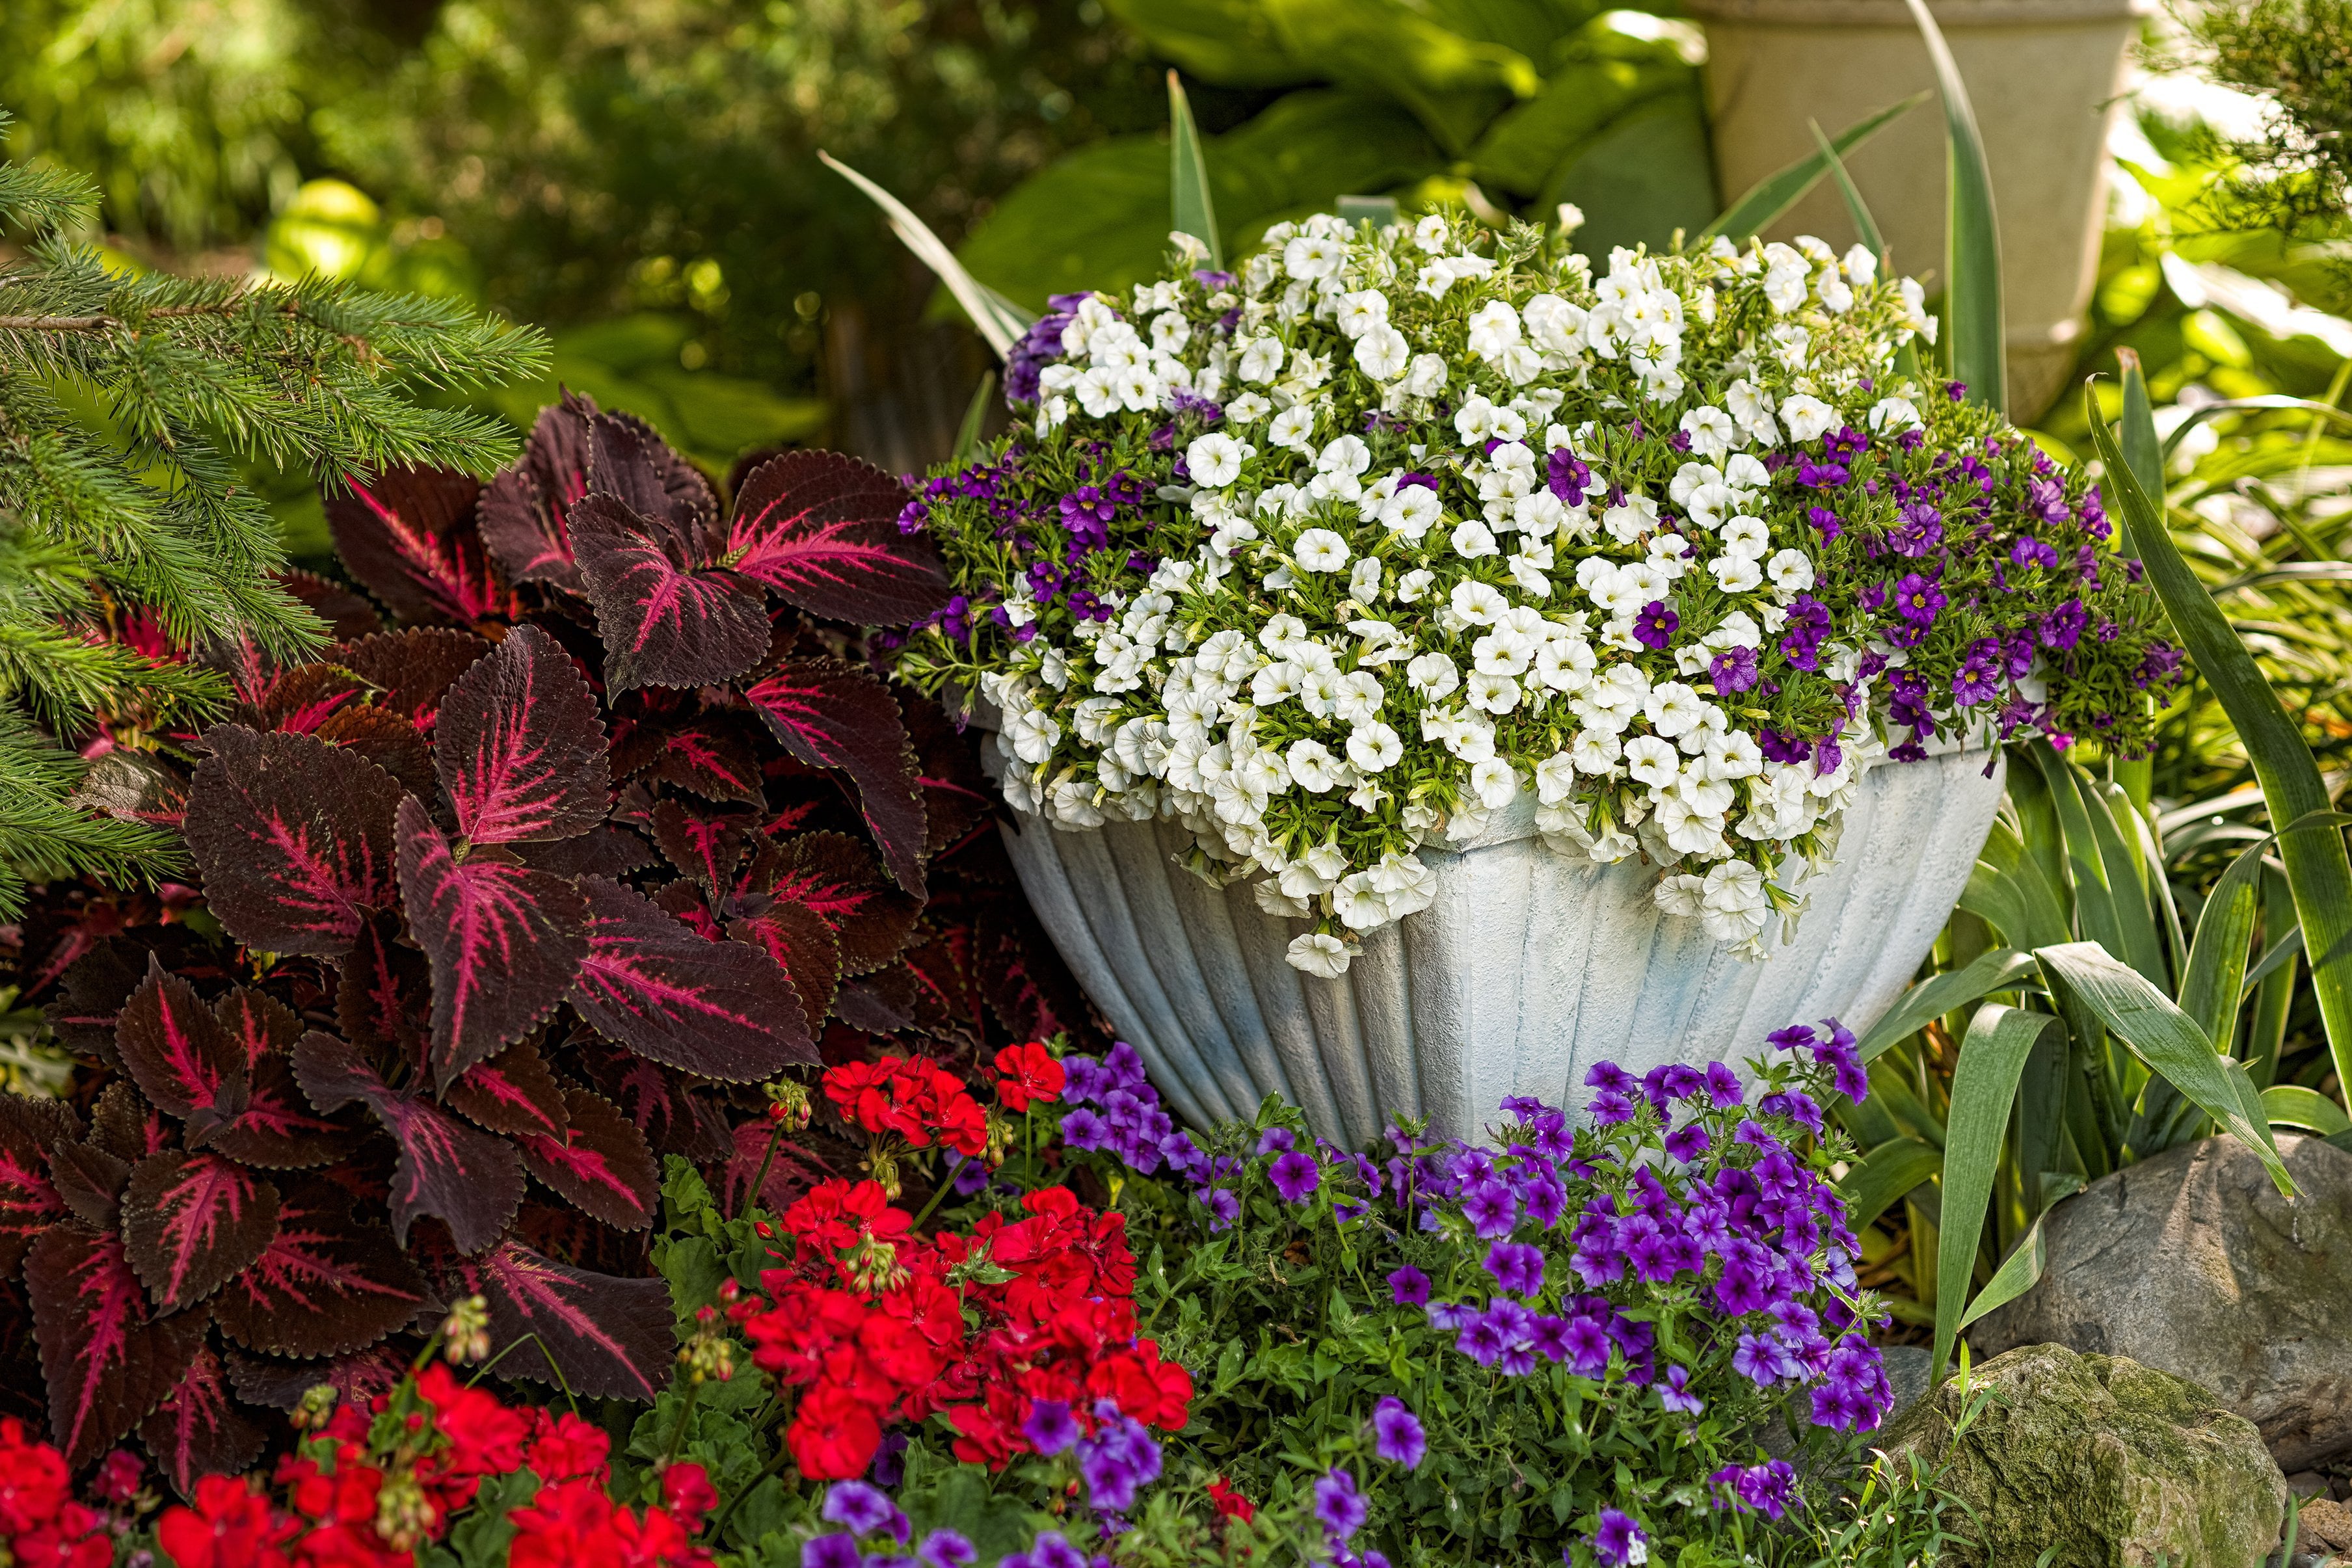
[{"x": 2044, "y": 75}]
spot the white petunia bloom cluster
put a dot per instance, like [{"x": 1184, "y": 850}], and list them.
[{"x": 1430, "y": 547}]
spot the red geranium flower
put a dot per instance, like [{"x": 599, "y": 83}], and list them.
[{"x": 1030, "y": 1075}]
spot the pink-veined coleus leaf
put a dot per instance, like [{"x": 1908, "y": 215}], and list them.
[
  {"x": 666, "y": 619},
  {"x": 294, "y": 839},
  {"x": 410, "y": 670},
  {"x": 513, "y": 1092},
  {"x": 257, "y": 1024},
  {"x": 658, "y": 1102},
  {"x": 384, "y": 991},
  {"x": 505, "y": 943},
  {"x": 830, "y": 714},
  {"x": 386, "y": 739},
  {"x": 798, "y": 938},
  {"x": 467, "y": 1179},
  {"x": 125, "y": 1125},
  {"x": 30, "y": 1126},
  {"x": 723, "y": 1009},
  {"x": 193, "y": 1222},
  {"x": 177, "y": 1053},
  {"x": 276, "y": 1384},
  {"x": 519, "y": 746},
  {"x": 277, "y": 1130},
  {"x": 705, "y": 846},
  {"x": 347, "y": 613},
  {"x": 791, "y": 1173},
  {"x": 524, "y": 509},
  {"x": 601, "y": 851},
  {"x": 629, "y": 461},
  {"x": 106, "y": 1361},
  {"x": 610, "y": 1338},
  {"x": 408, "y": 536},
  {"x": 89, "y": 1180},
  {"x": 836, "y": 876},
  {"x": 710, "y": 756},
  {"x": 822, "y": 530},
  {"x": 326, "y": 1285},
  {"x": 302, "y": 698},
  {"x": 198, "y": 1429},
  {"x": 599, "y": 1162}
]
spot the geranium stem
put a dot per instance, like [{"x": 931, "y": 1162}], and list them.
[
  {"x": 940, "y": 1191},
  {"x": 751, "y": 1196}
]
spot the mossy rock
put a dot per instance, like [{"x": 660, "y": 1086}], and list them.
[{"x": 2115, "y": 1464}]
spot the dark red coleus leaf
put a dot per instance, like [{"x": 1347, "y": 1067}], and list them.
[
  {"x": 523, "y": 510},
  {"x": 413, "y": 669},
  {"x": 346, "y": 613},
  {"x": 666, "y": 619},
  {"x": 519, "y": 746},
  {"x": 384, "y": 990},
  {"x": 325, "y": 1285},
  {"x": 467, "y": 1179},
  {"x": 407, "y": 535},
  {"x": 513, "y": 1092},
  {"x": 125, "y": 1125},
  {"x": 1027, "y": 988},
  {"x": 657, "y": 1103},
  {"x": 105, "y": 1360},
  {"x": 278, "y": 1384},
  {"x": 29, "y": 1201},
  {"x": 388, "y": 740},
  {"x": 90, "y": 996},
  {"x": 505, "y": 943},
  {"x": 830, "y": 714},
  {"x": 306, "y": 696},
  {"x": 599, "y": 1161},
  {"x": 175, "y": 1050},
  {"x": 277, "y": 1130},
  {"x": 835, "y": 875},
  {"x": 294, "y": 838},
  {"x": 723, "y": 1009},
  {"x": 947, "y": 999},
  {"x": 602, "y": 851},
  {"x": 711, "y": 757},
  {"x": 191, "y": 1222},
  {"x": 132, "y": 787},
  {"x": 684, "y": 900},
  {"x": 881, "y": 1003},
  {"x": 791, "y": 1172},
  {"x": 705, "y": 846},
  {"x": 822, "y": 530},
  {"x": 609, "y": 1337},
  {"x": 628, "y": 460},
  {"x": 799, "y": 939},
  {"x": 198, "y": 1429},
  {"x": 89, "y": 1180},
  {"x": 258, "y": 1025}
]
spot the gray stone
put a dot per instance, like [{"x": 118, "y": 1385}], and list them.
[
  {"x": 2109, "y": 1463},
  {"x": 2192, "y": 1263},
  {"x": 1906, "y": 1376}
]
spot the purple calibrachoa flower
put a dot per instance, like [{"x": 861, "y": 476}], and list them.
[
  {"x": 863, "y": 1509},
  {"x": 1397, "y": 1436},
  {"x": 1656, "y": 626}
]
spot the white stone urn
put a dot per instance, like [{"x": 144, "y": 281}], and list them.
[
  {"x": 2044, "y": 76},
  {"x": 1523, "y": 972}
]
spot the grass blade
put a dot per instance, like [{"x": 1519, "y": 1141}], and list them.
[
  {"x": 2215, "y": 979},
  {"x": 1880, "y": 1181},
  {"x": 2096, "y": 915},
  {"x": 996, "y": 319},
  {"x": 2163, "y": 1036},
  {"x": 2318, "y": 871},
  {"x": 975, "y": 414},
  {"x": 1776, "y": 193},
  {"x": 2008, "y": 890},
  {"x": 1865, "y": 229},
  {"x": 1976, "y": 338},
  {"x": 2292, "y": 1105},
  {"x": 2002, "y": 969},
  {"x": 2012, "y": 1279},
  {"x": 2128, "y": 875},
  {"x": 1984, "y": 1087},
  {"x": 1188, "y": 176}
]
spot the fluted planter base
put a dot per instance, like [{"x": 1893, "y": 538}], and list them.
[{"x": 1523, "y": 973}]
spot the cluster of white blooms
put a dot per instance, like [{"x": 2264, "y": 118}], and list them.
[{"x": 1441, "y": 521}]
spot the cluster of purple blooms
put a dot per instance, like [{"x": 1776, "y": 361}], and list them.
[
  {"x": 1119, "y": 1457},
  {"x": 863, "y": 1510},
  {"x": 1115, "y": 1110}
]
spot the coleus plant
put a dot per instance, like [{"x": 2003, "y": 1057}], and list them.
[{"x": 513, "y": 894}]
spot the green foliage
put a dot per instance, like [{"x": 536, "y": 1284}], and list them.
[
  {"x": 131, "y": 404},
  {"x": 1539, "y": 104},
  {"x": 2296, "y": 55}
]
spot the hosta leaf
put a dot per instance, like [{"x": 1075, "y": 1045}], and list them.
[
  {"x": 413, "y": 669},
  {"x": 610, "y": 1338},
  {"x": 830, "y": 714},
  {"x": 711, "y": 756},
  {"x": 822, "y": 530},
  {"x": 198, "y": 1429},
  {"x": 294, "y": 838},
  {"x": 798, "y": 938},
  {"x": 519, "y": 747},
  {"x": 467, "y": 1179},
  {"x": 89, "y": 1180},
  {"x": 407, "y": 535},
  {"x": 835, "y": 875},
  {"x": 325, "y": 1285},
  {"x": 191, "y": 1222},
  {"x": 387, "y": 739},
  {"x": 178, "y": 1053},
  {"x": 523, "y": 510},
  {"x": 512, "y": 1092},
  {"x": 29, "y": 1202},
  {"x": 105, "y": 1361},
  {"x": 723, "y": 1009},
  {"x": 666, "y": 618},
  {"x": 705, "y": 846},
  {"x": 504, "y": 943},
  {"x": 599, "y": 1162}
]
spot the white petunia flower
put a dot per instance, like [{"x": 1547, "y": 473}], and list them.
[
  {"x": 1431, "y": 675},
  {"x": 1895, "y": 413},
  {"x": 1411, "y": 510},
  {"x": 1215, "y": 460},
  {"x": 1310, "y": 765},
  {"x": 1492, "y": 693},
  {"x": 1746, "y": 536},
  {"x": 1432, "y": 235},
  {"x": 1480, "y": 604},
  {"x": 1629, "y": 521},
  {"x": 1360, "y": 312},
  {"x": 1565, "y": 664},
  {"x": 1495, "y": 783},
  {"x": 1414, "y": 584},
  {"x": 1034, "y": 734},
  {"x": 1364, "y": 581},
  {"x": 1374, "y": 748},
  {"x": 1473, "y": 538},
  {"x": 1652, "y": 761},
  {"x": 1294, "y": 427},
  {"x": 1673, "y": 707},
  {"x": 1492, "y": 328},
  {"x": 1261, "y": 359},
  {"x": 1596, "y": 751},
  {"x": 1682, "y": 896},
  {"x": 1427, "y": 376},
  {"x": 1382, "y": 352},
  {"x": 1312, "y": 256},
  {"x": 1473, "y": 421},
  {"x": 1555, "y": 779},
  {"x": 1247, "y": 409},
  {"x": 1319, "y": 953},
  {"x": 1807, "y": 417},
  {"x": 1712, "y": 431},
  {"x": 1348, "y": 455},
  {"x": 1736, "y": 573},
  {"x": 1360, "y": 904}
]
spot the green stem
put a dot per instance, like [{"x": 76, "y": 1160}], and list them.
[
  {"x": 940, "y": 1191},
  {"x": 685, "y": 1417},
  {"x": 773, "y": 1466},
  {"x": 751, "y": 1194}
]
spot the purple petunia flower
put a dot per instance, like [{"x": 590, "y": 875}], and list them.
[
  {"x": 946, "y": 1549},
  {"x": 1049, "y": 1426},
  {"x": 1656, "y": 626},
  {"x": 1675, "y": 1392},
  {"x": 833, "y": 1550},
  {"x": 1295, "y": 1176},
  {"x": 1490, "y": 1208},
  {"x": 862, "y": 1509},
  {"x": 1686, "y": 1144},
  {"x": 1620, "y": 1540},
  {"x": 1397, "y": 1436},
  {"x": 1608, "y": 1108},
  {"x": 1409, "y": 1287},
  {"x": 1338, "y": 1504},
  {"x": 1224, "y": 1207},
  {"x": 1516, "y": 1267}
]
